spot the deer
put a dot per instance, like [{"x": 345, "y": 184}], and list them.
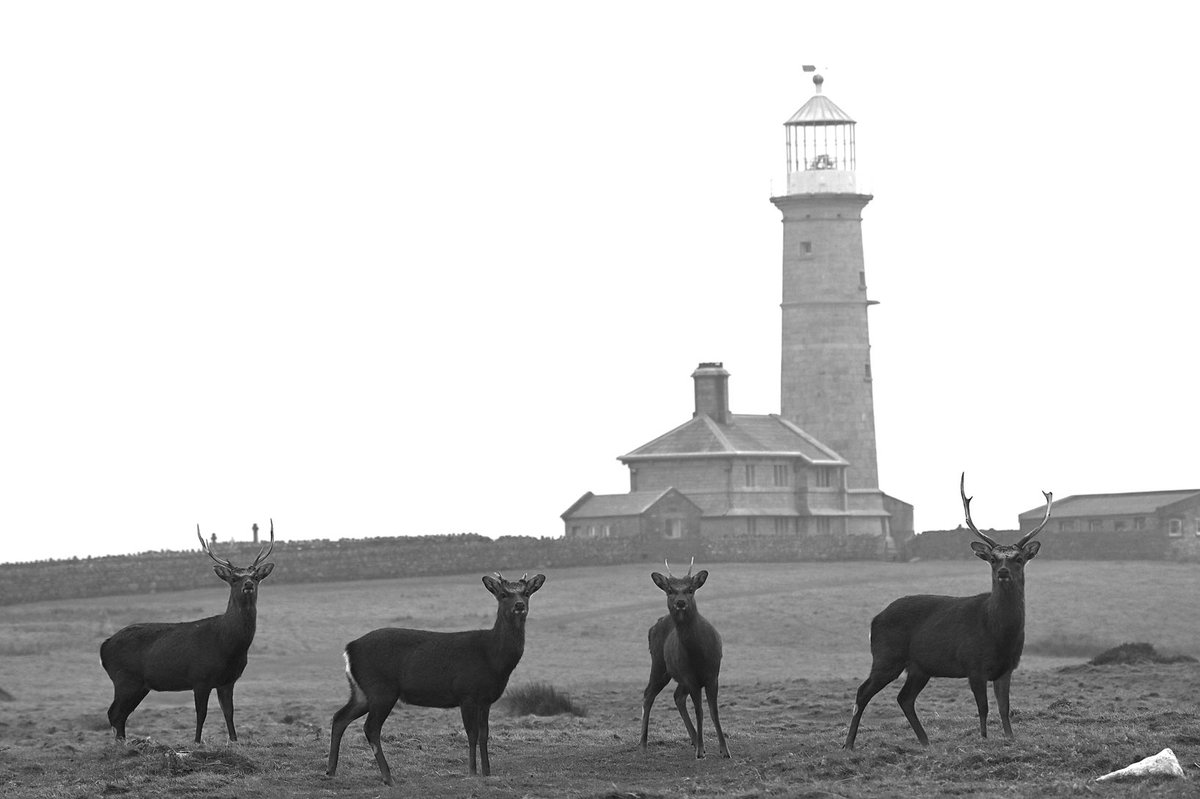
[
  {"x": 468, "y": 670},
  {"x": 978, "y": 637},
  {"x": 195, "y": 656},
  {"x": 685, "y": 647}
]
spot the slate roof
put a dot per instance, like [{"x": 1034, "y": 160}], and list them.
[
  {"x": 606, "y": 505},
  {"x": 745, "y": 434},
  {"x": 1132, "y": 504}
]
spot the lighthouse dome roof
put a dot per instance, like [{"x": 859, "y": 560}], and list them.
[{"x": 819, "y": 110}]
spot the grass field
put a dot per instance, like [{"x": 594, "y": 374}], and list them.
[{"x": 795, "y": 650}]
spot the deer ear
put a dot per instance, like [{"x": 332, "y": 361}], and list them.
[
  {"x": 223, "y": 572},
  {"x": 982, "y": 550},
  {"x": 660, "y": 581},
  {"x": 493, "y": 585},
  {"x": 534, "y": 584},
  {"x": 698, "y": 578},
  {"x": 1031, "y": 549},
  {"x": 262, "y": 571}
]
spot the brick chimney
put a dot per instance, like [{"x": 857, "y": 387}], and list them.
[{"x": 712, "y": 392}]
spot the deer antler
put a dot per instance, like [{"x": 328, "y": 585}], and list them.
[
  {"x": 204, "y": 546},
  {"x": 261, "y": 555},
  {"x": 1049, "y": 495},
  {"x": 668, "y": 565},
  {"x": 962, "y": 489},
  {"x": 690, "y": 565}
]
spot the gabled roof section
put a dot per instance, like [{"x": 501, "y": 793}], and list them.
[
  {"x": 745, "y": 434},
  {"x": 634, "y": 503},
  {"x": 1143, "y": 502}
]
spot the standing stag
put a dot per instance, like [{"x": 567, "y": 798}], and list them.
[
  {"x": 977, "y": 637},
  {"x": 686, "y": 648},
  {"x": 468, "y": 670},
  {"x": 195, "y": 656}
]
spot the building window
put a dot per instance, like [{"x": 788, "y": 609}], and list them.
[
  {"x": 806, "y": 247},
  {"x": 1139, "y": 523},
  {"x": 781, "y": 526},
  {"x": 749, "y": 475},
  {"x": 575, "y": 531},
  {"x": 867, "y": 375},
  {"x": 1175, "y": 528},
  {"x": 1066, "y": 525},
  {"x": 674, "y": 528},
  {"x": 591, "y": 531},
  {"x": 822, "y": 526},
  {"x": 605, "y": 531},
  {"x": 781, "y": 475},
  {"x": 752, "y": 525},
  {"x": 822, "y": 477},
  {"x": 862, "y": 280},
  {"x": 1095, "y": 526},
  {"x": 1119, "y": 525}
]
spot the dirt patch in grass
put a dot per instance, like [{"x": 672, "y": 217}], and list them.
[{"x": 1136, "y": 653}]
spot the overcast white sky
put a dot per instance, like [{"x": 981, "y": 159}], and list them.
[{"x": 400, "y": 268}]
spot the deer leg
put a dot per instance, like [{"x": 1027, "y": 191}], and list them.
[
  {"x": 1000, "y": 687},
  {"x": 907, "y": 698},
  {"x": 377, "y": 713},
  {"x": 484, "y": 764},
  {"x": 201, "y": 694},
  {"x": 875, "y": 682},
  {"x": 470, "y": 718},
  {"x": 711, "y": 693},
  {"x": 225, "y": 699},
  {"x": 356, "y": 708},
  {"x": 978, "y": 684},
  {"x": 124, "y": 702},
  {"x": 681, "y": 705},
  {"x": 699, "y": 723},
  {"x": 658, "y": 680}
]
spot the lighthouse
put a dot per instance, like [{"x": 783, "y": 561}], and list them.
[{"x": 826, "y": 352}]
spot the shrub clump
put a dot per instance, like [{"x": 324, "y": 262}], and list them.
[
  {"x": 1136, "y": 653},
  {"x": 540, "y": 699}
]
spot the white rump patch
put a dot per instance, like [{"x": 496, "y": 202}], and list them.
[{"x": 354, "y": 686}]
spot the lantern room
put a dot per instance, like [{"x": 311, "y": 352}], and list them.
[{"x": 820, "y": 147}]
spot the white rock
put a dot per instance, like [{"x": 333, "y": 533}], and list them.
[{"x": 1162, "y": 763}]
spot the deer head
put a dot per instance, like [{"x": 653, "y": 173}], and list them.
[
  {"x": 513, "y": 596},
  {"x": 1007, "y": 561},
  {"x": 680, "y": 591},
  {"x": 243, "y": 582}
]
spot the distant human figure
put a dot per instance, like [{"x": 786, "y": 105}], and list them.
[{"x": 214, "y": 539}]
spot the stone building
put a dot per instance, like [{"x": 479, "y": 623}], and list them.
[
  {"x": 810, "y": 470},
  {"x": 1149, "y": 524}
]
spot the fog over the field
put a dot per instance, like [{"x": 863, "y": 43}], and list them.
[{"x": 390, "y": 269}]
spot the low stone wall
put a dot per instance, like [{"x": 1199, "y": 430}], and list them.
[
  {"x": 1063, "y": 544},
  {"x": 412, "y": 556},
  {"x": 408, "y": 556}
]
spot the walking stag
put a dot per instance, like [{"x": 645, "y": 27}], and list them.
[
  {"x": 977, "y": 637},
  {"x": 195, "y": 656}
]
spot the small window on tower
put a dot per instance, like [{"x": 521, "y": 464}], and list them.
[
  {"x": 868, "y": 373},
  {"x": 806, "y": 247},
  {"x": 862, "y": 280}
]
